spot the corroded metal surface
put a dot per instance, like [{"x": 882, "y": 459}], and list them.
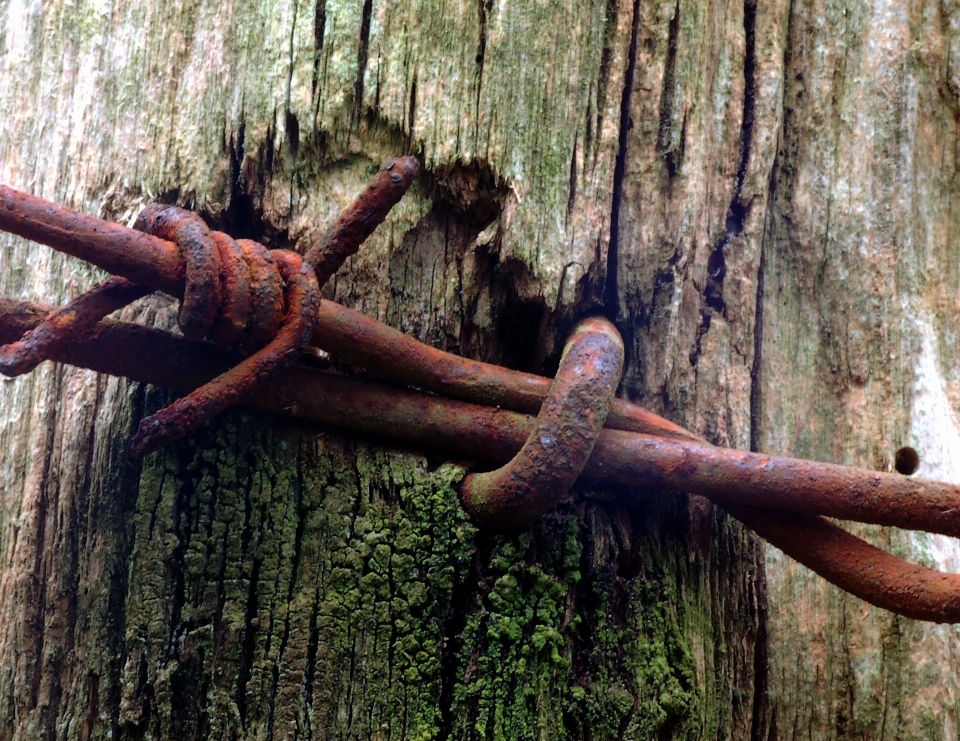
[
  {"x": 858, "y": 567},
  {"x": 568, "y": 425},
  {"x": 62, "y": 325},
  {"x": 810, "y": 487},
  {"x": 235, "y": 293},
  {"x": 201, "y": 260},
  {"x": 189, "y": 412},
  {"x": 470, "y": 431},
  {"x": 265, "y": 312},
  {"x": 365, "y": 214},
  {"x": 247, "y": 297},
  {"x": 363, "y": 341},
  {"x": 136, "y": 256}
]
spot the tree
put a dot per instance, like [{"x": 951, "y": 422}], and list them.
[{"x": 759, "y": 193}]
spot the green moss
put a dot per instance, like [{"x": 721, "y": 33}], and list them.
[
  {"x": 300, "y": 587},
  {"x": 645, "y": 674},
  {"x": 329, "y": 589},
  {"x": 532, "y": 668},
  {"x": 929, "y": 727}
]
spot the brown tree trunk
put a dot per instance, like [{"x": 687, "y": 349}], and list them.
[{"x": 760, "y": 194}]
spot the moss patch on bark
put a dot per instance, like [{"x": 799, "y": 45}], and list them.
[{"x": 286, "y": 583}]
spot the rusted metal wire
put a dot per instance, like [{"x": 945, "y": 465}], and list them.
[
  {"x": 189, "y": 412},
  {"x": 236, "y": 293},
  {"x": 138, "y": 257},
  {"x": 362, "y": 341},
  {"x": 470, "y": 431},
  {"x": 567, "y": 428},
  {"x": 858, "y": 567},
  {"x": 200, "y": 256},
  {"x": 780, "y": 498},
  {"x": 63, "y": 325},
  {"x": 359, "y": 220}
]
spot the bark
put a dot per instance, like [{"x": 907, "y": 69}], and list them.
[{"x": 759, "y": 193}]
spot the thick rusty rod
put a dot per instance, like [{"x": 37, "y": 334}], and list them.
[
  {"x": 726, "y": 476},
  {"x": 737, "y": 477},
  {"x": 358, "y": 339},
  {"x": 367, "y": 212},
  {"x": 344, "y": 332},
  {"x": 858, "y": 567},
  {"x": 567, "y": 428},
  {"x": 458, "y": 428},
  {"x": 157, "y": 263},
  {"x": 117, "y": 249},
  {"x": 67, "y": 322}
]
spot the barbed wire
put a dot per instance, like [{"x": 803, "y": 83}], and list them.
[{"x": 248, "y": 312}]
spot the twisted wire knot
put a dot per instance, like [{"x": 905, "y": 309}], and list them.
[
  {"x": 238, "y": 294},
  {"x": 235, "y": 293}
]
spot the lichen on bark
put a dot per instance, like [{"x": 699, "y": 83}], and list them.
[
  {"x": 301, "y": 592},
  {"x": 337, "y": 588}
]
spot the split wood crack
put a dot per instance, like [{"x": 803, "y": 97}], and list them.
[{"x": 247, "y": 313}]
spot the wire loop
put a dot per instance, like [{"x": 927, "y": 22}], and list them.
[
  {"x": 568, "y": 426},
  {"x": 265, "y": 305}
]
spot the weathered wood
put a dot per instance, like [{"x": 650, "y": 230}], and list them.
[
  {"x": 860, "y": 326},
  {"x": 759, "y": 193}
]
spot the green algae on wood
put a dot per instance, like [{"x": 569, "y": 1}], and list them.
[
  {"x": 302, "y": 588},
  {"x": 333, "y": 587}
]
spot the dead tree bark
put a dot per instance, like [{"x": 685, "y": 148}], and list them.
[{"x": 760, "y": 194}]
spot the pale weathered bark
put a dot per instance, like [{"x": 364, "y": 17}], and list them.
[{"x": 759, "y": 193}]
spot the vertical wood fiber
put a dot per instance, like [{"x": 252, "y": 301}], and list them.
[{"x": 759, "y": 193}]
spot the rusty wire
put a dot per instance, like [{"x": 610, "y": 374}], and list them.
[
  {"x": 236, "y": 293},
  {"x": 567, "y": 429},
  {"x": 475, "y": 409}
]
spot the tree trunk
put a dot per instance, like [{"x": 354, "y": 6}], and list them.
[{"x": 759, "y": 193}]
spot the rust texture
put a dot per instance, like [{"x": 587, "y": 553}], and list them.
[
  {"x": 465, "y": 430},
  {"x": 366, "y": 213},
  {"x": 363, "y": 341},
  {"x": 236, "y": 293},
  {"x": 265, "y": 312},
  {"x": 471, "y": 431},
  {"x": 189, "y": 412},
  {"x": 808, "y": 487},
  {"x": 568, "y": 425},
  {"x": 262, "y": 307},
  {"x": 201, "y": 261},
  {"x": 138, "y": 257},
  {"x": 233, "y": 316},
  {"x": 858, "y": 567},
  {"x": 62, "y": 325}
]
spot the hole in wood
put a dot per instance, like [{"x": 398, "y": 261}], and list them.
[{"x": 906, "y": 461}]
